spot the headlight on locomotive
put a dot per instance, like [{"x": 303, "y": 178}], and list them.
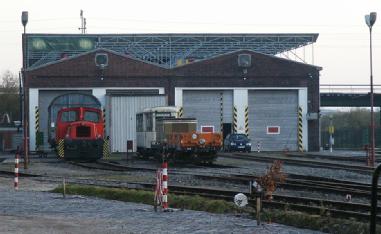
[
  {"x": 202, "y": 141},
  {"x": 194, "y": 136}
]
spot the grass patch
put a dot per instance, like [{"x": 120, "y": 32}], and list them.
[
  {"x": 288, "y": 217},
  {"x": 146, "y": 197},
  {"x": 317, "y": 222}
]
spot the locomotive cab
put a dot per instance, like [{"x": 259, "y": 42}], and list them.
[{"x": 80, "y": 133}]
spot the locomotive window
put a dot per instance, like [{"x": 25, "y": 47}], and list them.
[
  {"x": 149, "y": 122},
  {"x": 181, "y": 127},
  {"x": 69, "y": 116},
  {"x": 91, "y": 116},
  {"x": 139, "y": 123}
]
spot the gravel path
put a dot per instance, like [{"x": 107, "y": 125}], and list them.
[{"x": 31, "y": 210}]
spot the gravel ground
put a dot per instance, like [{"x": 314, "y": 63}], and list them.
[
  {"x": 49, "y": 213},
  {"x": 60, "y": 169},
  {"x": 31, "y": 210}
]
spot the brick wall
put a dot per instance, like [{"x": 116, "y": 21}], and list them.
[{"x": 221, "y": 71}]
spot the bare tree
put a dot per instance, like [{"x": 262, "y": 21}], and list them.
[
  {"x": 9, "y": 97},
  {"x": 9, "y": 82}
]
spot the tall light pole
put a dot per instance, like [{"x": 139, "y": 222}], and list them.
[
  {"x": 24, "y": 21},
  {"x": 370, "y": 20}
]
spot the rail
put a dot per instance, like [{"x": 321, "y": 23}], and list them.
[{"x": 373, "y": 214}]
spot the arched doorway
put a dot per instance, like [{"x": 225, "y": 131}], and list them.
[{"x": 64, "y": 100}]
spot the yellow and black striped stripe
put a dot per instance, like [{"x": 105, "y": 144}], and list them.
[
  {"x": 300, "y": 129},
  {"x": 222, "y": 111},
  {"x": 104, "y": 120},
  {"x": 37, "y": 118},
  {"x": 247, "y": 121},
  {"x": 181, "y": 112},
  {"x": 106, "y": 148},
  {"x": 235, "y": 119},
  {"x": 37, "y": 126},
  {"x": 61, "y": 148}
]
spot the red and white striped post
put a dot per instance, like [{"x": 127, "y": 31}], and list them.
[
  {"x": 165, "y": 184},
  {"x": 16, "y": 184}
]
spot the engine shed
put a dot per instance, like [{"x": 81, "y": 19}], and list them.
[{"x": 233, "y": 82}]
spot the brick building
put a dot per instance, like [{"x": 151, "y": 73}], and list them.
[{"x": 273, "y": 100}]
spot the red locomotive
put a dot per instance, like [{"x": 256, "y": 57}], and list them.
[{"x": 79, "y": 133}]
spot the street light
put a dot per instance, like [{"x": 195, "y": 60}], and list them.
[
  {"x": 370, "y": 20},
  {"x": 24, "y": 21}
]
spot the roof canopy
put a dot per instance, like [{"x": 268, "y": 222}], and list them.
[{"x": 165, "y": 50}]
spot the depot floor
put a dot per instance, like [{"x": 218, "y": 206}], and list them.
[
  {"x": 32, "y": 209},
  {"x": 43, "y": 212}
]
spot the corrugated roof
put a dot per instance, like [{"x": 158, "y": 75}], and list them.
[{"x": 165, "y": 50}]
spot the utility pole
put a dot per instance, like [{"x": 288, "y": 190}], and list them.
[
  {"x": 24, "y": 21},
  {"x": 370, "y": 20}
]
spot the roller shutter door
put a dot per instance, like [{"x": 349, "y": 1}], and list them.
[
  {"x": 273, "y": 108},
  {"x": 122, "y": 122},
  {"x": 205, "y": 106}
]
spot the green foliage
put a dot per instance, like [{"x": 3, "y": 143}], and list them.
[
  {"x": 356, "y": 118},
  {"x": 9, "y": 95},
  {"x": 352, "y": 128}
]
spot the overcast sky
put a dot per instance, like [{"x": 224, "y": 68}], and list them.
[{"x": 342, "y": 48}]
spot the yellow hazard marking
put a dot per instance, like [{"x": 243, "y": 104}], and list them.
[
  {"x": 106, "y": 149},
  {"x": 221, "y": 111},
  {"x": 300, "y": 129},
  {"x": 247, "y": 121},
  {"x": 181, "y": 112},
  {"x": 61, "y": 148},
  {"x": 235, "y": 119}
]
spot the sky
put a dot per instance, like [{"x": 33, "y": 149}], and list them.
[{"x": 342, "y": 48}]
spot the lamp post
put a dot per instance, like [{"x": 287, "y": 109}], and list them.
[
  {"x": 370, "y": 20},
  {"x": 24, "y": 21}
]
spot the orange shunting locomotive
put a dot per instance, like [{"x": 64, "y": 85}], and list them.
[{"x": 161, "y": 131}]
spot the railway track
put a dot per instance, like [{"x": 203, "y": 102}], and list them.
[
  {"x": 310, "y": 205},
  {"x": 357, "y": 159},
  {"x": 300, "y": 162},
  {"x": 358, "y": 191},
  {"x": 292, "y": 182}
]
